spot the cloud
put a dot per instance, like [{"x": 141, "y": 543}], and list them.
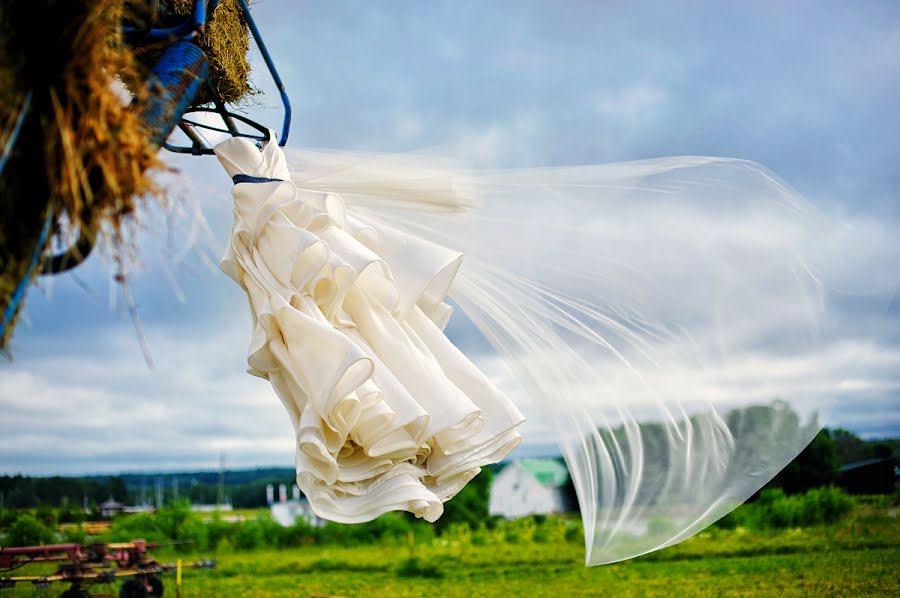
[{"x": 808, "y": 89}]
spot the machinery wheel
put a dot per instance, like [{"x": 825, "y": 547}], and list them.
[
  {"x": 133, "y": 588},
  {"x": 156, "y": 586},
  {"x": 75, "y": 592}
]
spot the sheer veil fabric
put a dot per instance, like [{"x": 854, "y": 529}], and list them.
[{"x": 684, "y": 326}]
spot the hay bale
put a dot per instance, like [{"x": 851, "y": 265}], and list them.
[
  {"x": 225, "y": 41},
  {"x": 82, "y": 154}
]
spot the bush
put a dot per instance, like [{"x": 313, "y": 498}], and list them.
[
  {"x": 826, "y": 505},
  {"x": 26, "y": 530},
  {"x": 132, "y": 527},
  {"x": 218, "y": 532},
  {"x": 178, "y": 523},
  {"x": 775, "y": 510},
  {"x": 69, "y": 515},
  {"x": 258, "y": 532},
  {"x": 300, "y": 534},
  {"x": 75, "y": 535}
]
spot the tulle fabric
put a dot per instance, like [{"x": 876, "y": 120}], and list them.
[
  {"x": 685, "y": 324},
  {"x": 347, "y": 326}
]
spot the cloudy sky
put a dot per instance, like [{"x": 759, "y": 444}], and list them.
[{"x": 806, "y": 88}]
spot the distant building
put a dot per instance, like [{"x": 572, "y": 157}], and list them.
[
  {"x": 111, "y": 507},
  {"x": 872, "y": 476},
  {"x": 139, "y": 509},
  {"x": 199, "y": 508},
  {"x": 286, "y": 512},
  {"x": 532, "y": 487}
]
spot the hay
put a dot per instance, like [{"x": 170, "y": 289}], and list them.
[
  {"x": 225, "y": 41},
  {"x": 82, "y": 154}
]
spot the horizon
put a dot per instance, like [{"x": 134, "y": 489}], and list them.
[{"x": 523, "y": 452}]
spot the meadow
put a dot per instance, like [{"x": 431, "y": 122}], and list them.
[
  {"x": 856, "y": 553},
  {"x": 856, "y": 559}
]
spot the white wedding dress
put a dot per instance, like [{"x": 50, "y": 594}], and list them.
[
  {"x": 682, "y": 326},
  {"x": 347, "y": 326}
]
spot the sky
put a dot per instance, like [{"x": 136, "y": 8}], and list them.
[{"x": 806, "y": 88}]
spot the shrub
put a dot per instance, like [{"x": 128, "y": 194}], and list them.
[
  {"x": 131, "y": 527},
  {"x": 177, "y": 523},
  {"x": 299, "y": 534},
  {"x": 826, "y": 505},
  {"x": 218, "y": 532},
  {"x": 775, "y": 510},
  {"x": 75, "y": 535},
  {"x": 258, "y": 532},
  {"x": 26, "y": 530}
]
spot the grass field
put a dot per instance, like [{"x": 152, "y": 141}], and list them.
[
  {"x": 860, "y": 556},
  {"x": 855, "y": 558}
]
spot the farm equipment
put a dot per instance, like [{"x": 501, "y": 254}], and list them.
[{"x": 83, "y": 566}]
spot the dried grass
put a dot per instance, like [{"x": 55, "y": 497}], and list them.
[
  {"x": 82, "y": 155},
  {"x": 225, "y": 41}
]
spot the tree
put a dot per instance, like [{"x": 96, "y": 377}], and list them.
[
  {"x": 471, "y": 504},
  {"x": 816, "y": 465},
  {"x": 850, "y": 447}
]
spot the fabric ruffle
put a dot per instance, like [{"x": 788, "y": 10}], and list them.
[{"x": 348, "y": 328}]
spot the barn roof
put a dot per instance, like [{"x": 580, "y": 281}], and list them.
[
  {"x": 551, "y": 473},
  {"x": 866, "y": 463}
]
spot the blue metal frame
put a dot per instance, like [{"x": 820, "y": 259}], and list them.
[
  {"x": 198, "y": 147},
  {"x": 177, "y": 77},
  {"x": 17, "y": 128},
  {"x": 189, "y": 29},
  {"x": 13, "y": 306}
]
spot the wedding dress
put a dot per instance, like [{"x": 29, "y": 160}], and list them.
[
  {"x": 681, "y": 326},
  {"x": 348, "y": 322}
]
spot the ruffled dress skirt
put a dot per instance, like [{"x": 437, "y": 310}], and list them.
[{"x": 348, "y": 323}]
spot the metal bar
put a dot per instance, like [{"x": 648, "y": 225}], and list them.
[
  {"x": 264, "y": 133},
  {"x": 229, "y": 122},
  {"x": 17, "y": 128},
  {"x": 286, "y": 102},
  {"x": 105, "y": 574},
  {"x": 13, "y": 306},
  {"x": 189, "y": 29},
  {"x": 71, "y": 257},
  {"x": 195, "y": 139}
]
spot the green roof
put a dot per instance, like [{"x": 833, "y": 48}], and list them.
[{"x": 551, "y": 473}]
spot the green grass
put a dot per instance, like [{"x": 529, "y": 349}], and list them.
[
  {"x": 855, "y": 558},
  {"x": 858, "y": 556}
]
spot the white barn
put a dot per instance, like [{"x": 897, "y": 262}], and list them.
[{"x": 531, "y": 487}]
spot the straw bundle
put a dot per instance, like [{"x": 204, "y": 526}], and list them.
[{"x": 82, "y": 156}]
